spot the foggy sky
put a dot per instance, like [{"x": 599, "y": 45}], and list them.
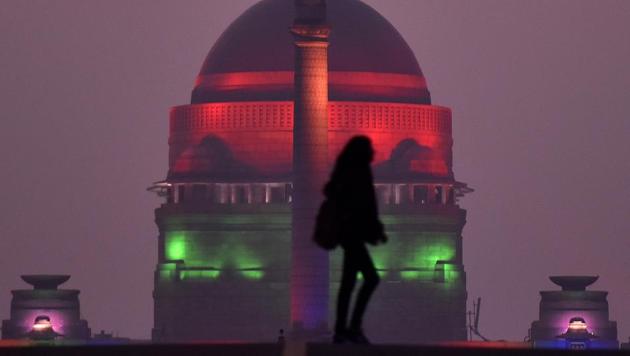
[{"x": 540, "y": 92}]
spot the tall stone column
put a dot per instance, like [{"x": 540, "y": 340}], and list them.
[{"x": 309, "y": 270}]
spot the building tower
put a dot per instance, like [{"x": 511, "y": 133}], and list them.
[
  {"x": 226, "y": 243},
  {"x": 309, "y": 265}
]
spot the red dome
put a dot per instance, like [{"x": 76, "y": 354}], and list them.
[
  {"x": 253, "y": 59},
  {"x": 239, "y": 127}
]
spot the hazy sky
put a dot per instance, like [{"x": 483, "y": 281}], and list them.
[{"x": 540, "y": 92}]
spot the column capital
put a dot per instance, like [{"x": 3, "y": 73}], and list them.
[{"x": 316, "y": 33}]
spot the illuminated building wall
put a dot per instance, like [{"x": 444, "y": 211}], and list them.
[
  {"x": 224, "y": 274},
  {"x": 225, "y": 226}
]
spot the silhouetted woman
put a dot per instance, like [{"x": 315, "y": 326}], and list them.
[{"x": 351, "y": 188}]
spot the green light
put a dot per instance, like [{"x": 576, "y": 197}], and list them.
[
  {"x": 237, "y": 241},
  {"x": 199, "y": 274},
  {"x": 446, "y": 272},
  {"x": 253, "y": 274},
  {"x": 226, "y": 249},
  {"x": 451, "y": 273},
  {"x": 176, "y": 247},
  {"x": 381, "y": 273},
  {"x": 167, "y": 271},
  {"x": 167, "y": 266},
  {"x": 245, "y": 258},
  {"x": 427, "y": 256},
  {"x": 379, "y": 256},
  {"x": 166, "y": 275},
  {"x": 408, "y": 275}
]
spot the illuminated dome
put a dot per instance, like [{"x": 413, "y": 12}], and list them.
[
  {"x": 240, "y": 122},
  {"x": 253, "y": 59}
]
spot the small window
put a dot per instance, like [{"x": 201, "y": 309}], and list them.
[
  {"x": 199, "y": 192},
  {"x": 211, "y": 192},
  {"x": 258, "y": 194},
  {"x": 438, "y": 195},
  {"x": 278, "y": 195},
  {"x": 451, "y": 196},
  {"x": 170, "y": 197},
  {"x": 288, "y": 193},
  {"x": 221, "y": 194},
  {"x": 181, "y": 193},
  {"x": 420, "y": 194},
  {"x": 239, "y": 194},
  {"x": 403, "y": 194},
  {"x": 383, "y": 195}
]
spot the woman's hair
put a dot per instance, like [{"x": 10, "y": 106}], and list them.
[
  {"x": 358, "y": 151},
  {"x": 353, "y": 161}
]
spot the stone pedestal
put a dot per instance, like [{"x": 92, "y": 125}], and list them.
[
  {"x": 574, "y": 317},
  {"x": 59, "y": 306}
]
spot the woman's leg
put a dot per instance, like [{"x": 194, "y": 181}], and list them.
[
  {"x": 370, "y": 282},
  {"x": 348, "y": 280}
]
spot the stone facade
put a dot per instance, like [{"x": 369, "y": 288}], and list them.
[{"x": 246, "y": 165}]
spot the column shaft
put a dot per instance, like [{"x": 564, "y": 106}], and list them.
[{"x": 309, "y": 270}]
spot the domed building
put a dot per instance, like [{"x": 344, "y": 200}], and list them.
[{"x": 225, "y": 242}]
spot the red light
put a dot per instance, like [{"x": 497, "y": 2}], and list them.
[{"x": 256, "y": 137}]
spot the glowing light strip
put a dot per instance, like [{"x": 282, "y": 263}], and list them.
[
  {"x": 285, "y": 78},
  {"x": 278, "y": 115}
]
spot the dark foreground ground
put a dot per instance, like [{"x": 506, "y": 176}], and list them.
[{"x": 290, "y": 349}]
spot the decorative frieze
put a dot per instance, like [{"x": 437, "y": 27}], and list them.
[{"x": 279, "y": 116}]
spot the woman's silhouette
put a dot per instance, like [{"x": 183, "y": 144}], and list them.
[{"x": 351, "y": 189}]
